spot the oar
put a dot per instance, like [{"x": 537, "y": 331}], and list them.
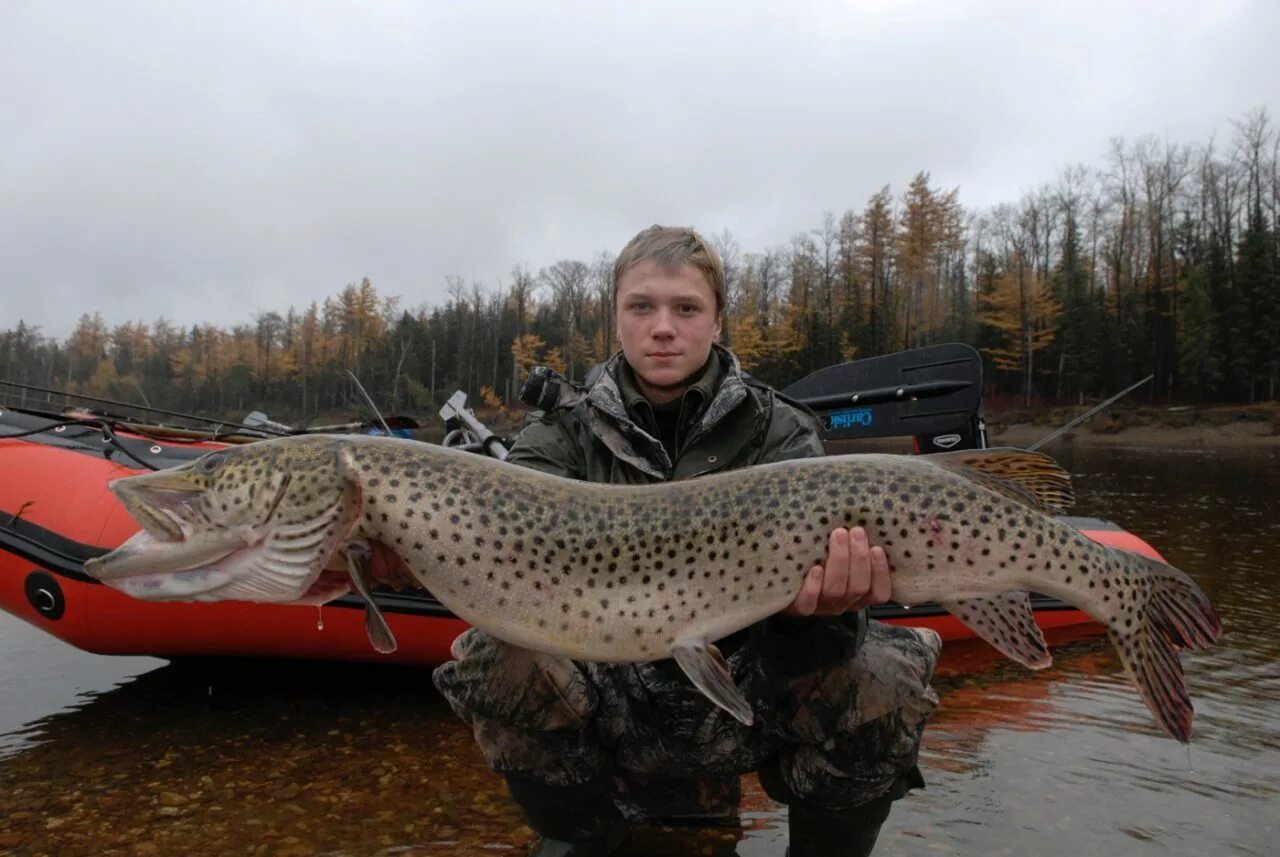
[{"x": 932, "y": 393}]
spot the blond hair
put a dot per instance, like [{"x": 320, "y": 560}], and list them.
[{"x": 671, "y": 247}]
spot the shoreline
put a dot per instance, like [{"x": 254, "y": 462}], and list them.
[
  {"x": 1179, "y": 426},
  {"x": 1244, "y": 435}
]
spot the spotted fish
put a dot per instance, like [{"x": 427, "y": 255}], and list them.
[{"x": 625, "y": 573}]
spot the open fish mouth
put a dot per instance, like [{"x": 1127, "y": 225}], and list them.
[{"x": 145, "y": 554}]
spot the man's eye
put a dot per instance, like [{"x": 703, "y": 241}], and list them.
[
  {"x": 639, "y": 307},
  {"x": 687, "y": 309}
]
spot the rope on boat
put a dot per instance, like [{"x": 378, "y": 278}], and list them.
[{"x": 108, "y": 435}]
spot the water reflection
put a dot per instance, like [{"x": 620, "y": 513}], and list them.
[{"x": 291, "y": 759}]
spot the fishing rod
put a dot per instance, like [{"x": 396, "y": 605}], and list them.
[
  {"x": 1086, "y": 415},
  {"x": 113, "y": 402},
  {"x": 369, "y": 401}
]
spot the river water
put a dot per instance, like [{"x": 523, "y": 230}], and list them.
[{"x": 129, "y": 756}]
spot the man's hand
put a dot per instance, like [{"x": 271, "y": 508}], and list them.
[{"x": 854, "y": 576}]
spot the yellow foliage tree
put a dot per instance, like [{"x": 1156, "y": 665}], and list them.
[
  {"x": 749, "y": 341},
  {"x": 490, "y": 398},
  {"x": 577, "y": 350},
  {"x": 554, "y": 360},
  {"x": 600, "y": 345},
  {"x": 1024, "y": 313},
  {"x": 785, "y": 337},
  {"x": 527, "y": 351}
]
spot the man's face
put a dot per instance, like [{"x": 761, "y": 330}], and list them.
[{"x": 667, "y": 322}]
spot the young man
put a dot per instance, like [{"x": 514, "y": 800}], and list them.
[{"x": 586, "y": 748}]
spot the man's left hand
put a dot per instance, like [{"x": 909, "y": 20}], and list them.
[{"x": 855, "y": 575}]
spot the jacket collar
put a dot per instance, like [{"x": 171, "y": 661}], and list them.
[{"x": 605, "y": 410}]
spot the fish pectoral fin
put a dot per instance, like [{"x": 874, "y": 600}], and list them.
[
  {"x": 1007, "y": 622},
  {"x": 709, "y": 672},
  {"x": 375, "y": 624},
  {"x": 1031, "y": 478}
]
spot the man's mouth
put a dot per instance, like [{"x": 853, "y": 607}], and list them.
[{"x": 660, "y": 355}]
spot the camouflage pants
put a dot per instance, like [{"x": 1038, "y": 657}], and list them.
[{"x": 839, "y": 714}]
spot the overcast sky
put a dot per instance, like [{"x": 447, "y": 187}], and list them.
[{"x": 205, "y": 162}]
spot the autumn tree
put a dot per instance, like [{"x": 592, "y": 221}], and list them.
[{"x": 1022, "y": 312}]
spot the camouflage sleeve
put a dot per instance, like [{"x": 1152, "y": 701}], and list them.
[
  {"x": 548, "y": 445},
  {"x": 792, "y": 433}
]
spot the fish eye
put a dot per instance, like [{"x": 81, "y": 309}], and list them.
[{"x": 210, "y": 463}]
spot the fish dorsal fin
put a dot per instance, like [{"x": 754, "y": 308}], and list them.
[{"x": 1031, "y": 478}]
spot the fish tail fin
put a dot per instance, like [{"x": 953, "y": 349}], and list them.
[{"x": 1176, "y": 615}]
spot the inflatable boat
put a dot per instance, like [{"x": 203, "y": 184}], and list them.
[{"x": 56, "y": 512}]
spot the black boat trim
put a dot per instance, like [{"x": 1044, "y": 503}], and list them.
[{"x": 65, "y": 558}]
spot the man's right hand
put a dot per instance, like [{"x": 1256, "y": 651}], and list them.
[{"x": 855, "y": 575}]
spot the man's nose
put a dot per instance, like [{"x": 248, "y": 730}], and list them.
[{"x": 662, "y": 324}]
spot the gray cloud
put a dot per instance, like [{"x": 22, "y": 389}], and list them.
[{"x": 208, "y": 161}]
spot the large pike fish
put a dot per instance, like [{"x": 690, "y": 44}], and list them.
[{"x": 616, "y": 573}]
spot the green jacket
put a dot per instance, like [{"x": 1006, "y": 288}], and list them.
[{"x": 607, "y": 432}]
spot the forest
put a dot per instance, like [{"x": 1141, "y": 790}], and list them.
[{"x": 1162, "y": 259}]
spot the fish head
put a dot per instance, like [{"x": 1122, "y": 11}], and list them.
[{"x": 258, "y": 522}]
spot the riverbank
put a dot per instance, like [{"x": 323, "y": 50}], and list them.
[{"x": 1180, "y": 426}]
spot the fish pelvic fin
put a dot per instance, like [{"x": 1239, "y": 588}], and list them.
[
  {"x": 375, "y": 624},
  {"x": 1176, "y": 615},
  {"x": 706, "y": 667},
  {"x": 1030, "y": 478},
  {"x": 1007, "y": 622}
]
